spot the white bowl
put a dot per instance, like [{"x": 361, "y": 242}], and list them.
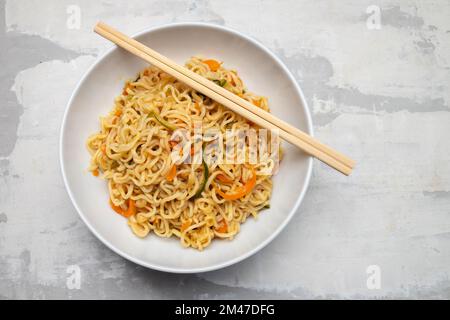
[{"x": 262, "y": 72}]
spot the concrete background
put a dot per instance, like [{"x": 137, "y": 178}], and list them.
[{"x": 381, "y": 94}]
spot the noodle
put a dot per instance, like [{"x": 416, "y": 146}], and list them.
[{"x": 195, "y": 202}]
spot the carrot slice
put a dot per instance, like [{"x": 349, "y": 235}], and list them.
[
  {"x": 224, "y": 178},
  {"x": 115, "y": 208},
  {"x": 212, "y": 64},
  {"x": 223, "y": 227},
  {"x": 124, "y": 92},
  {"x": 241, "y": 191},
  {"x": 257, "y": 102},
  {"x": 95, "y": 173},
  {"x": 126, "y": 213},
  {"x": 185, "y": 225},
  {"x": 172, "y": 173},
  {"x": 131, "y": 209}
]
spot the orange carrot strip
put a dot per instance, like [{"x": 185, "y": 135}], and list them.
[
  {"x": 126, "y": 213},
  {"x": 257, "y": 102},
  {"x": 124, "y": 92},
  {"x": 185, "y": 225},
  {"x": 95, "y": 173},
  {"x": 131, "y": 209},
  {"x": 224, "y": 178},
  {"x": 172, "y": 173},
  {"x": 212, "y": 64},
  {"x": 223, "y": 227},
  {"x": 115, "y": 208},
  {"x": 241, "y": 191}
]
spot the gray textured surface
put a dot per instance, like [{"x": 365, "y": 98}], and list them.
[{"x": 380, "y": 94}]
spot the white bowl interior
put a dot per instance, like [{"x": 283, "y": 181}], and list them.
[{"x": 262, "y": 73}]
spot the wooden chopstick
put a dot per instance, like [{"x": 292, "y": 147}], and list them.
[
  {"x": 233, "y": 102},
  {"x": 236, "y": 99}
]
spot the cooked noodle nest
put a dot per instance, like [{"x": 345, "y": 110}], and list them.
[{"x": 132, "y": 152}]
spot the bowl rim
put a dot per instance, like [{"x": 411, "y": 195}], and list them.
[{"x": 217, "y": 266}]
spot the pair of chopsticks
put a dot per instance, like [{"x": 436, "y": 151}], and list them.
[{"x": 235, "y": 103}]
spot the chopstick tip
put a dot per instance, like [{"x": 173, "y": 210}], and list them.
[{"x": 98, "y": 26}]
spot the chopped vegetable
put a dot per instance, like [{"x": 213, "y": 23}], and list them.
[
  {"x": 205, "y": 178},
  {"x": 163, "y": 122},
  {"x": 221, "y": 83},
  {"x": 212, "y": 64},
  {"x": 224, "y": 178},
  {"x": 185, "y": 225},
  {"x": 115, "y": 208},
  {"x": 257, "y": 102},
  {"x": 118, "y": 112},
  {"x": 241, "y": 191},
  {"x": 223, "y": 227},
  {"x": 172, "y": 173},
  {"x": 125, "y": 92},
  {"x": 103, "y": 148},
  {"x": 126, "y": 213},
  {"x": 95, "y": 173},
  {"x": 131, "y": 208}
]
